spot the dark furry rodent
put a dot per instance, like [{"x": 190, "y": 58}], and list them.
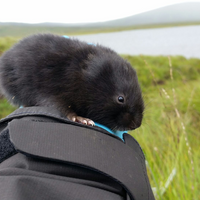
[{"x": 91, "y": 81}]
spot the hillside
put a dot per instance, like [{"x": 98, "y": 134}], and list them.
[{"x": 172, "y": 14}]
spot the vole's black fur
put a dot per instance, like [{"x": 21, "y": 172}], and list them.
[{"x": 50, "y": 70}]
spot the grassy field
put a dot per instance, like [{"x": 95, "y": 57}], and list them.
[{"x": 170, "y": 134}]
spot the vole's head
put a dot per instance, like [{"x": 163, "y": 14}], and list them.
[{"x": 114, "y": 96}]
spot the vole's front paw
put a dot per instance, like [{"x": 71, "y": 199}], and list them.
[
  {"x": 73, "y": 117},
  {"x": 83, "y": 120}
]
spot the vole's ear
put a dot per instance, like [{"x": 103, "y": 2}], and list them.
[
  {"x": 86, "y": 61},
  {"x": 89, "y": 66},
  {"x": 90, "y": 56}
]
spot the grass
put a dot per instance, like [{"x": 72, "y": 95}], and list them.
[
  {"x": 6, "y": 43},
  {"x": 169, "y": 135},
  {"x": 5, "y": 108}
]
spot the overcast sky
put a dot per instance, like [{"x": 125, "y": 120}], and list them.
[{"x": 76, "y": 11}]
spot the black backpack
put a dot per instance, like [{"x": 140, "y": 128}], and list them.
[{"x": 45, "y": 156}]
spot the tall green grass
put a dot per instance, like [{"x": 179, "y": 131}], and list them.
[
  {"x": 6, "y": 43},
  {"x": 169, "y": 135}
]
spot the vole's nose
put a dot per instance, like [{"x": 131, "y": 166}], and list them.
[
  {"x": 135, "y": 124},
  {"x": 132, "y": 121}
]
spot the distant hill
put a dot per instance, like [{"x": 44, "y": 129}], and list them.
[
  {"x": 177, "y": 14},
  {"x": 172, "y": 14}
]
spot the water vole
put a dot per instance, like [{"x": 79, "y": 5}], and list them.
[{"x": 78, "y": 79}]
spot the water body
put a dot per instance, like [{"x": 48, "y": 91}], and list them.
[{"x": 184, "y": 41}]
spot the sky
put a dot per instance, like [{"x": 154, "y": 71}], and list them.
[{"x": 76, "y": 11}]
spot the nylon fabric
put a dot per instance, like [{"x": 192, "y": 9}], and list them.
[{"x": 55, "y": 158}]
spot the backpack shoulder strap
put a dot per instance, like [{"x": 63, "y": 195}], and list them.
[
  {"x": 67, "y": 143},
  {"x": 35, "y": 113},
  {"x": 44, "y": 114}
]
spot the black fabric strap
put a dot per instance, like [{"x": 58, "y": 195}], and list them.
[
  {"x": 47, "y": 113},
  {"x": 123, "y": 162}
]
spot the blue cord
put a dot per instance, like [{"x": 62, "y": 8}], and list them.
[
  {"x": 65, "y": 36},
  {"x": 117, "y": 133}
]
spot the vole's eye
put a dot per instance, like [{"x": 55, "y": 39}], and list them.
[{"x": 120, "y": 99}]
